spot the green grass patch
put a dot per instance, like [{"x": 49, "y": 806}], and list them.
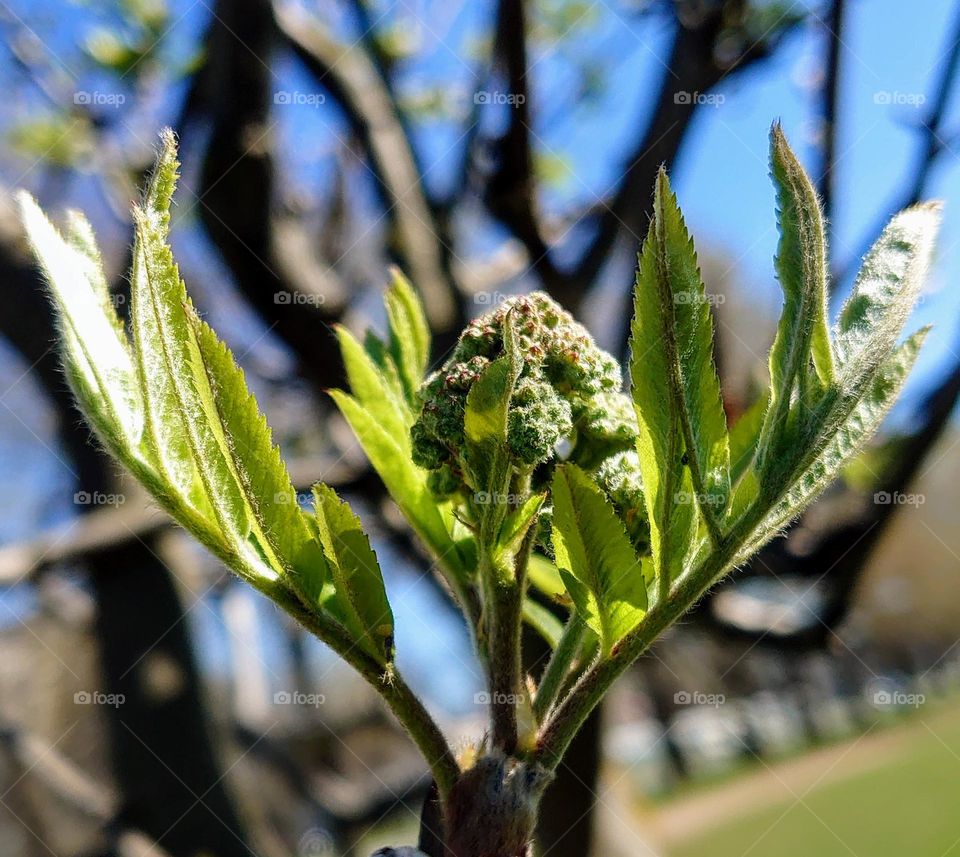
[{"x": 907, "y": 805}]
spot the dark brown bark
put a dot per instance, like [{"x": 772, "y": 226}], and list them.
[{"x": 237, "y": 183}]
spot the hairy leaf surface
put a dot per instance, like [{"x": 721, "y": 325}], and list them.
[
  {"x": 602, "y": 573},
  {"x": 802, "y": 338},
  {"x": 360, "y": 595}
]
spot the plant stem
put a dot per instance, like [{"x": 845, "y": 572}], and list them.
[
  {"x": 505, "y": 579},
  {"x": 567, "y": 718},
  {"x": 504, "y": 615},
  {"x": 558, "y": 666},
  {"x": 409, "y": 710}
]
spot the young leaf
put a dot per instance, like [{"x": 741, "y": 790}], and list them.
[
  {"x": 279, "y": 525},
  {"x": 843, "y": 444},
  {"x": 409, "y": 340},
  {"x": 370, "y": 386},
  {"x": 485, "y": 431},
  {"x": 96, "y": 353},
  {"x": 407, "y": 485},
  {"x": 802, "y": 334},
  {"x": 541, "y": 620},
  {"x": 360, "y": 596},
  {"x": 183, "y": 424},
  {"x": 744, "y": 437},
  {"x": 518, "y": 522},
  {"x": 545, "y": 578},
  {"x": 690, "y": 340},
  {"x": 160, "y": 341},
  {"x": 377, "y": 351},
  {"x": 884, "y": 293},
  {"x": 656, "y": 383},
  {"x": 869, "y": 326},
  {"x": 602, "y": 573},
  {"x": 380, "y": 418}
]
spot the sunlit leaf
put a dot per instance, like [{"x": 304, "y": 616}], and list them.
[
  {"x": 360, "y": 595},
  {"x": 602, "y": 573}
]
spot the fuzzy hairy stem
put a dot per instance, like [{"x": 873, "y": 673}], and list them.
[
  {"x": 504, "y": 612},
  {"x": 505, "y": 581},
  {"x": 569, "y": 715},
  {"x": 492, "y": 809},
  {"x": 405, "y": 705},
  {"x": 558, "y": 667}
]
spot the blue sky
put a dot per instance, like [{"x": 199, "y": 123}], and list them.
[
  {"x": 591, "y": 92},
  {"x": 721, "y": 175}
]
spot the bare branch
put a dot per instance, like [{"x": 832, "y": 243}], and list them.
[
  {"x": 932, "y": 145},
  {"x": 831, "y": 98},
  {"x": 362, "y": 91}
]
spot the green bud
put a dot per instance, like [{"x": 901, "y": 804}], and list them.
[
  {"x": 619, "y": 477},
  {"x": 568, "y": 389}
]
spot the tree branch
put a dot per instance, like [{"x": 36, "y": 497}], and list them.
[
  {"x": 831, "y": 98},
  {"x": 932, "y": 145},
  {"x": 356, "y": 81}
]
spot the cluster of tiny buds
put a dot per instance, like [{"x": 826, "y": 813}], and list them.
[{"x": 563, "y": 392}]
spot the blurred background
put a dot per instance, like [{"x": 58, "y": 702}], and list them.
[{"x": 150, "y": 705}]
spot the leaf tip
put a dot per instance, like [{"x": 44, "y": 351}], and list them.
[{"x": 163, "y": 180}]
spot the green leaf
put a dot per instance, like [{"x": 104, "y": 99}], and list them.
[
  {"x": 360, "y": 600},
  {"x": 744, "y": 437},
  {"x": 80, "y": 235},
  {"x": 802, "y": 334},
  {"x": 538, "y": 617},
  {"x": 485, "y": 429},
  {"x": 886, "y": 288},
  {"x": 407, "y": 485},
  {"x": 409, "y": 340},
  {"x": 377, "y": 350},
  {"x": 183, "y": 424},
  {"x": 544, "y": 576},
  {"x": 870, "y": 324},
  {"x": 655, "y": 385},
  {"x": 518, "y": 522},
  {"x": 602, "y": 573},
  {"x": 489, "y": 398},
  {"x": 691, "y": 351},
  {"x": 842, "y": 445},
  {"x": 161, "y": 342},
  {"x": 371, "y": 387},
  {"x": 279, "y": 525},
  {"x": 380, "y": 417},
  {"x": 96, "y": 354}
]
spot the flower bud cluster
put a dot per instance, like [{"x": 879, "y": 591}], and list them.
[{"x": 568, "y": 389}]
